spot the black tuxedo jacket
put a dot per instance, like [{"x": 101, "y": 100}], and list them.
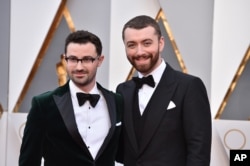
[
  {"x": 179, "y": 136},
  {"x": 51, "y": 132}
]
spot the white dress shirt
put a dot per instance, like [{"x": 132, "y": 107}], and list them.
[
  {"x": 147, "y": 91},
  {"x": 93, "y": 123}
]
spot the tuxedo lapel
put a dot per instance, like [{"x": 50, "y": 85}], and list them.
[
  {"x": 157, "y": 105},
  {"x": 110, "y": 100},
  {"x": 128, "y": 93},
  {"x": 64, "y": 104}
]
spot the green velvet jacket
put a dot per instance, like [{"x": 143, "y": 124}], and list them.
[{"x": 51, "y": 132}]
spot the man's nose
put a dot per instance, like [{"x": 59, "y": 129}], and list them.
[
  {"x": 79, "y": 64},
  {"x": 140, "y": 50}
]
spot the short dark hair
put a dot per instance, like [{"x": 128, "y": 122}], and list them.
[
  {"x": 83, "y": 37},
  {"x": 140, "y": 22}
]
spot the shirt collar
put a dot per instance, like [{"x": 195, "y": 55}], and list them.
[{"x": 74, "y": 89}]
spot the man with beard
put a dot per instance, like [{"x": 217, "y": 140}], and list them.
[
  {"x": 167, "y": 118},
  {"x": 79, "y": 123}
]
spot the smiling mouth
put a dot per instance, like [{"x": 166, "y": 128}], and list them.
[
  {"x": 80, "y": 74},
  {"x": 141, "y": 58}
]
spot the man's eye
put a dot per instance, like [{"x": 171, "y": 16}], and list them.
[
  {"x": 73, "y": 59},
  {"x": 147, "y": 43},
  {"x": 87, "y": 59},
  {"x": 131, "y": 45}
]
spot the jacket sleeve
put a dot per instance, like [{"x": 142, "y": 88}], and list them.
[
  {"x": 197, "y": 124},
  {"x": 32, "y": 142}
]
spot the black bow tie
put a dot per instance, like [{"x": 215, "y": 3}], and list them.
[
  {"x": 149, "y": 80},
  {"x": 92, "y": 98}
]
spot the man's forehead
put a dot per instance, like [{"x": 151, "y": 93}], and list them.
[{"x": 132, "y": 34}]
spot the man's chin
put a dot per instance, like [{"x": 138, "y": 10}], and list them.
[
  {"x": 79, "y": 82},
  {"x": 141, "y": 67}
]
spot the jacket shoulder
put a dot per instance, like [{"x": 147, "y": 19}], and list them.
[
  {"x": 184, "y": 77},
  {"x": 49, "y": 94},
  {"x": 125, "y": 85}
]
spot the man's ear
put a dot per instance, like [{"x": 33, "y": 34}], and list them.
[
  {"x": 161, "y": 43},
  {"x": 100, "y": 60}
]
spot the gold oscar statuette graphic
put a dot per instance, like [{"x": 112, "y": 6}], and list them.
[
  {"x": 61, "y": 71},
  {"x": 1, "y": 111}
]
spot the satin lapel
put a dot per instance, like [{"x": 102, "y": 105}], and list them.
[
  {"x": 128, "y": 93},
  {"x": 65, "y": 107},
  {"x": 158, "y": 105},
  {"x": 110, "y": 100}
]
